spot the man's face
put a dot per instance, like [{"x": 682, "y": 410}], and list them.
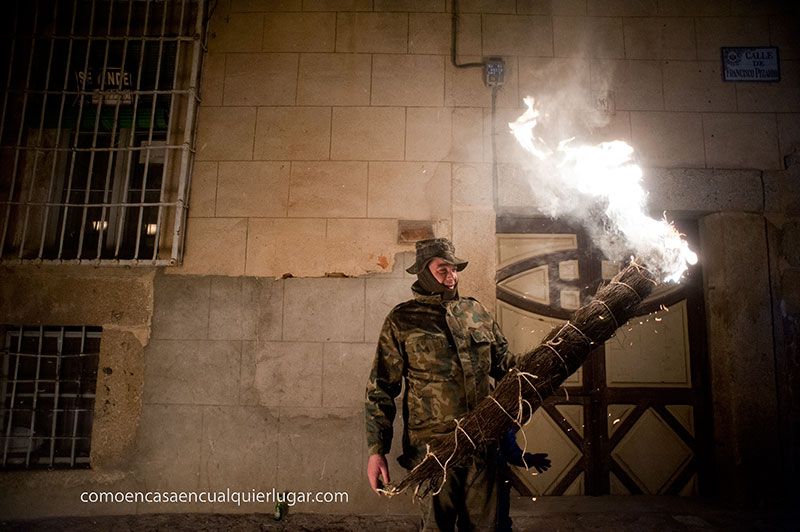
[{"x": 444, "y": 272}]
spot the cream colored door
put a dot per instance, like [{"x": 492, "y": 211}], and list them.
[{"x": 626, "y": 422}]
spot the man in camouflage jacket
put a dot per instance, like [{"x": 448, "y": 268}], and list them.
[{"x": 444, "y": 348}]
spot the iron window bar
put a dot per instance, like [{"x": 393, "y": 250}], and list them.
[
  {"x": 47, "y": 395},
  {"x": 128, "y": 204},
  {"x": 97, "y": 130},
  {"x": 93, "y": 93},
  {"x": 105, "y": 37},
  {"x": 109, "y": 149}
]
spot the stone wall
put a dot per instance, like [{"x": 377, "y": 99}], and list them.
[{"x": 253, "y": 383}]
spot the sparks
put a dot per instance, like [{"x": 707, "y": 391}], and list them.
[{"x": 574, "y": 181}]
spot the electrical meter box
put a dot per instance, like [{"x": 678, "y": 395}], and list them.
[{"x": 494, "y": 71}]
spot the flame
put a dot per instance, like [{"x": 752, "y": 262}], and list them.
[{"x": 575, "y": 181}]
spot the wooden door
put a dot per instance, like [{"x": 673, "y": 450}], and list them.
[{"x": 634, "y": 418}]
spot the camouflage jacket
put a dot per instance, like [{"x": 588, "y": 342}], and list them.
[{"x": 445, "y": 353}]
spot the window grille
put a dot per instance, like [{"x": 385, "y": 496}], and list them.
[
  {"x": 49, "y": 376},
  {"x": 96, "y": 129}
]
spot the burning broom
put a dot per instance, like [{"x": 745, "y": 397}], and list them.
[{"x": 536, "y": 375}]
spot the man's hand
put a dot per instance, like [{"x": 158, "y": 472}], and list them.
[
  {"x": 513, "y": 454},
  {"x": 539, "y": 461},
  {"x": 377, "y": 472}
]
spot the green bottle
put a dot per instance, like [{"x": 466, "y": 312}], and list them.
[{"x": 281, "y": 509}]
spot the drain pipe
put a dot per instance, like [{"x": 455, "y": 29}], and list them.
[{"x": 454, "y": 41}]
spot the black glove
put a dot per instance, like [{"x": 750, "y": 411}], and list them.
[
  {"x": 513, "y": 454},
  {"x": 539, "y": 461}
]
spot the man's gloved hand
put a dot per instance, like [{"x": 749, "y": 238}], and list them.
[
  {"x": 539, "y": 461},
  {"x": 513, "y": 454}
]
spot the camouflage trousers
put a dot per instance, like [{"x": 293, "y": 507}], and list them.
[{"x": 474, "y": 497}]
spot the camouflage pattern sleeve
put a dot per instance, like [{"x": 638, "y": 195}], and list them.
[
  {"x": 502, "y": 359},
  {"x": 385, "y": 382}
]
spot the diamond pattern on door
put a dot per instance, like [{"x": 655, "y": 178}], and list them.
[{"x": 651, "y": 453}]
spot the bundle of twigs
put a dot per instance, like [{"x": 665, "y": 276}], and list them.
[{"x": 537, "y": 375}]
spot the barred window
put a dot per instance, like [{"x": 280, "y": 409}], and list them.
[
  {"x": 96, "y": 129},
  {"x": 49, "y": 376}
]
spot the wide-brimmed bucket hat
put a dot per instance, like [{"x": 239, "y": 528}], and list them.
[{"x": 436, "y": 247}]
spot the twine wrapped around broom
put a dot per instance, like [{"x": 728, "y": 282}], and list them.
[{"x": 537, "y": 375}]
